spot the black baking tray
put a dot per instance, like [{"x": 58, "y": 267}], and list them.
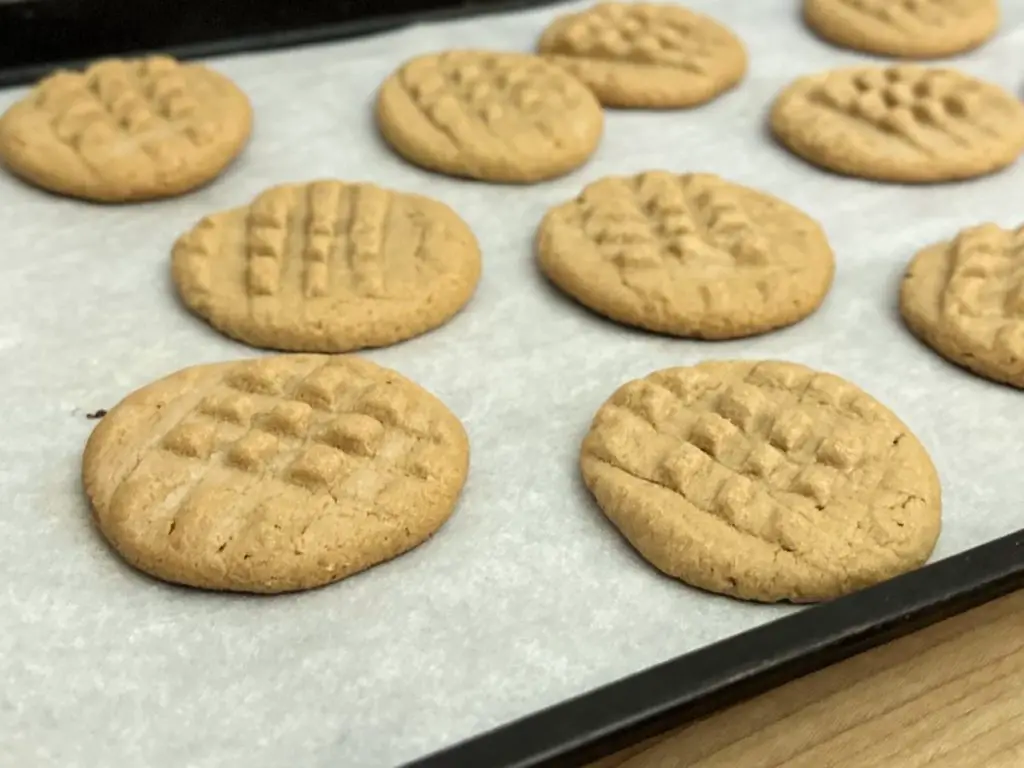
[
  {"x": 604, "y": 721},
  {"x": 38, "y": 35}
]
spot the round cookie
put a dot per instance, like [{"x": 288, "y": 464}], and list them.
[
  {"x": 501, "y": 117},
  {"x": 905, "y": 123},
  {"x": 646, "y": 55},
  {"x": 328, "y": 267},
  {"x": 909, "y": 29},
  {"x": 691, "y": 255},
  {"x": 274, "y": 474},
  {"x": 765, "y": 480},
  {"x": 965, "y": 299},
  {"x": 126, "y": 130}
]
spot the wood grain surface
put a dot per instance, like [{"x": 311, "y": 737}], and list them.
[{"x": 948, "y": 696}]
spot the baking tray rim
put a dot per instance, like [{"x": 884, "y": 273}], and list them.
[
  {"x": 651, "y": 702},
  {"x": 40, "y": 27}
]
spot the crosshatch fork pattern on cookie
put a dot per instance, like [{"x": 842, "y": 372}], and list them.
[
  {"x": 764, "y": 452},
  {"x": 693, "y": 228},
  {"x": 931, "y": 111},
  {"x": 315, "y": 431},
  {"x": 501, "y": 100},
  {"x": 643, "y": 34},
  {"x": 643, "y": 220},
  {"x": 361, "y": 231},
  {"x": 274, "y": 474},
  {"x": 913, "y": 16},
  {"x": 317, "y": 240},
  {"x": 984, "y": 290},
  {"x": 148, "y": 102}
]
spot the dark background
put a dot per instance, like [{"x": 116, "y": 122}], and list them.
[{"x": 37, "y": 35}]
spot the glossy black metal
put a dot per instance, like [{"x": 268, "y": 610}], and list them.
[{"x": 38, "y": 35}]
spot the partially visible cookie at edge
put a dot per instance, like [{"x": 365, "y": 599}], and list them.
[
  {"x": 275, "y": 474},
  {"x": 126, "y": 130},
  {"x": 910, "y": 29},
  {"x": 965, "y": 299},
  {"x": 763, "y": 480},
  {"x": 489, "y": 116},
  {"x": 328, "y": 266},
  {"x": 904, "y": 123},
  {"x": 646, "y": 55},
  {"x": 689, "y": 255}
]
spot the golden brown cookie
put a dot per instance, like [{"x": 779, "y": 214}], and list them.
[
  {"x": 646, "y": 55},
  {"x": 965, "y": 299},
  {"x": 328, "y": 267},
  {"x": 909, "y": 29},
  {"x": 503, "y": 117},
  {"x": 126, "y": 130},
  {"x": 763, "y": 480},
  {"x": 903, "y": 124},
  {"x": 691, "y": 255},
  {"x": 273, "y": 474}
]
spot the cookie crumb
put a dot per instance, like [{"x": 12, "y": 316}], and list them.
[{"x": 98, "y": 414}]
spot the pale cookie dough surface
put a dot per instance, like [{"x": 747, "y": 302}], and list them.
[
  {"x": 902, "y": 124},
  {"x": 646, "y": 55},
  {"x": 689, "y": 255},
  {"x": 275, "y": 474},
  {"x": 965, "y": 299},
  {"x": 911, "y": 29},
  {"x": 766, "y": 480},
  {"x": 126, "y": 130},
  {"x": 328, "y": 266},
  {"x": 501, "y": 117}
]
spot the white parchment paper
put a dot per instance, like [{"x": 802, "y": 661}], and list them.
[{"x": 527, "y": 596}]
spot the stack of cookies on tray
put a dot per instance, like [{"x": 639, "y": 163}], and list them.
[{"x": 764, "y": 480}]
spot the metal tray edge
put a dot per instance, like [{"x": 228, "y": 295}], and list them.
[
  {"x": 603, "y": 721},
  {"x": 33, "y": 31}
]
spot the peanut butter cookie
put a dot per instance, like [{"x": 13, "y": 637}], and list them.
[
  {"x": 126, "y": 130},
  {"x": 646, "y": 55},
  {"x": 691, "y": 255},
  {"x": 273, "y": 475},
  {"x": 766, "y": 481},
  {"x": 328, "y": 267},
  {"x": 503, "y": 117},
  {"x": 903, "y": 124},
  {"x": 965, "y": 299},
  {"x": 908, "y": 29}
]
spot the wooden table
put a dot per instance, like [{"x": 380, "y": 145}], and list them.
[{"x": 948, "y": 696}]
